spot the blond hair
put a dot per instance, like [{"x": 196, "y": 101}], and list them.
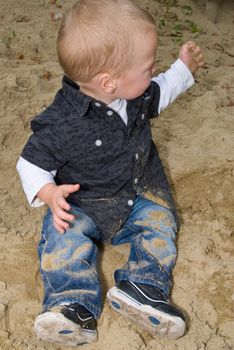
[{"x": 97, "y": 36}]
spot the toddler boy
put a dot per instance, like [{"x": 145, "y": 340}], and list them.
[{"x": 92, "y": 160}]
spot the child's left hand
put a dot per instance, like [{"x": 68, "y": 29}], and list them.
[{"x": 192, "y": 56}]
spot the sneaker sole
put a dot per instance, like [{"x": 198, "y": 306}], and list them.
[
  {"x": 150, "y": 319},
  {"x": 54, "y": 327}
]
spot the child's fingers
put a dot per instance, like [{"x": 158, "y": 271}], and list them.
[
  {"x": 70, "y": 188},
  {"x": 60, "y": 225},
  {"x": 62, "y": 203},
  {"x": 197, "y": 51},
  {"x": 190, "y": 46},
  {"x": 191, "y": 54},
  {"x": 201, "y": 63},
  {"x": 190, "y": 43},
  {"x": 199, "y": 59},
  {"x": 59, "y": 228},
  {"x": 64, "y": 215}
]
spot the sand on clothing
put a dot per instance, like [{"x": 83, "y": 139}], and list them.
[{"x": 195, "y": 139}]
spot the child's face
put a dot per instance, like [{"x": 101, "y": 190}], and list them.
[{"x": 136, "y": 80}]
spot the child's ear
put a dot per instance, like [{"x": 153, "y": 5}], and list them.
[{"x": 107, "y": 83}]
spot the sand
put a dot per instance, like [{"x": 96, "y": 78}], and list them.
[{"x": 196, "y": 143}]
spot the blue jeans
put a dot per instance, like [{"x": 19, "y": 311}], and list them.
[{"x": 68, "y": 262}]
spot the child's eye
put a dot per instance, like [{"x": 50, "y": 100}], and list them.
[
  {"x": 150, "y": 70},
  {"x": 147, "y": 71}
]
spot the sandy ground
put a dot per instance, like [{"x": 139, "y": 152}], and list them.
[{"x": 195, "y": 139}]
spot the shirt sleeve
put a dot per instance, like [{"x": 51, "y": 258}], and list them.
[
  {"x": 33, "y": 179},
  {"x": 176, "y": 80},
  {"x": 46, "y": 146}
]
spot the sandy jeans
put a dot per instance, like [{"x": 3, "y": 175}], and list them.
[{"x": 68, "y": 262}]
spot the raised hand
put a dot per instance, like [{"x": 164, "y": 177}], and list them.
[{"x": 192, "y": 56}]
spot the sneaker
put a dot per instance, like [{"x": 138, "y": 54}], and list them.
[
  {"x": 146, "y": 306},
  {"x": 69, "y": 324}
]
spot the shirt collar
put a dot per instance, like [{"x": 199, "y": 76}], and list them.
[
  {"x": 82, "y": 102},
  {"x": 71, "y": 92}
]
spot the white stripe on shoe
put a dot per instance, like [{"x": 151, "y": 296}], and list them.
[{"x": 154, "y": 300}]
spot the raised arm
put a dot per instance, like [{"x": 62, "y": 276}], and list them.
[{"x": 179, "y": 77}]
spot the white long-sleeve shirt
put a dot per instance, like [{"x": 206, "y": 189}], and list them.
[{"x": 176, "y": 80}]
